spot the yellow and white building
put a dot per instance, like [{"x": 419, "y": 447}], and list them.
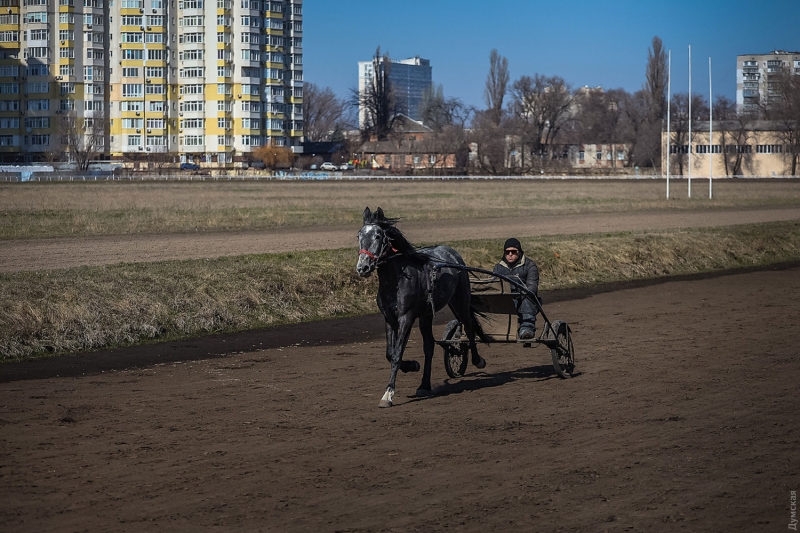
[{"x": 201, "y": 80}]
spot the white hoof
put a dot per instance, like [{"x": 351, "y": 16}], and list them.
[{"x": 386, "y": 401}]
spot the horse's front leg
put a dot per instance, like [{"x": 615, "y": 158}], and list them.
[
  {"x": 428, "y": 345},
  {"x": 396, "y": 340}
]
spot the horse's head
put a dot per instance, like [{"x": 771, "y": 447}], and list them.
[{"x": 373, "y": 242}]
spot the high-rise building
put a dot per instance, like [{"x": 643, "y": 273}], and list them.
[
  {"x": 409, "y": 78},
  {"x": 756, "y": 73},
  {"x": 199, "y": 80}
]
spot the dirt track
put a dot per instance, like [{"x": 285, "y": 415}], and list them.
[
  {"x": 683, "y": 416},
  {"x": 43, "y": 254}
]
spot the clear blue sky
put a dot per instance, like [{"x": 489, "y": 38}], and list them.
[{"x": 585, "y": 42}]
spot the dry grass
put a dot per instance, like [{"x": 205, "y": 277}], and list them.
[
  {"x": 37, "y": 210},
  {"x": 67, "y": 311}
]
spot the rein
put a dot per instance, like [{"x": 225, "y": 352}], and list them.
[{"x": 383, "y": 254}]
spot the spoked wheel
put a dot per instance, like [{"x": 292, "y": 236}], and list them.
[
  {"x": 455, "y": 354},
  {"x": 564, "y": 353}
]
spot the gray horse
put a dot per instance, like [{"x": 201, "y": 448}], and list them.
[{"x": 407, "y": 291}]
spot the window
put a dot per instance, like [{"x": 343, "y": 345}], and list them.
[
  {"x": 134, "y": 140},
  {"x": 9, "y": 123},
  {"x": 599, "y": 155},
  {"x": 224, "y": 106},
  {"x": 192, "y": 140},
  {"x": 39, "y": 35},
  {"x": 223, "y": 123},
  {"x": 191, "y": 38},
  {"x": 135, "y": 54},
  {"x": 769, "y": 149},
  {"x": 224, "y": 88},
  {"x": 192, "y": 123},
  {"x": 130, "y": 106},
  {"x": 156, "y": 106},
  {"x": 192, "y": 106},
  {"x": 39, "y": 140},
  {"x": 130, "y": 72},
  {"x": 13, "y": 105},
  {"x": 157, "y": 55},
  {"x": 191, "y": 72},
  {"x": 39, "y": 70},
  {"x": 9, "y": 88},
  {"x": 131, "y": 37},
  {"x": 190, "y": 4},
  {"x": 38, "y": 105},
  {"x": 154, "y": 37},
  {"x": 67, "y": 88},
  {"x": 156, "y": 140},
  {"x": 9, "y": 36},
  {"x": 129, "y": 123},
  {"x": 37, "y": 87},
  {"x": 131, "y": 90},
  {"x": 704, "y": 149},
  {"x": 37, "y": 122},
  {"x": 251, "y": 123},
  {"x": 155, "y": 20},
  {"x": 739, "y": 149},
  {"x": 155, "y": 88},
  {"x": 192, "y": 89},
  {"x": 191, "y": 21},
  {"x": 40, "y": 51},
  {"x": 131, "y": 20},
  {"x": 154, "y": 72},
  {"x": 191, "y": 55}
]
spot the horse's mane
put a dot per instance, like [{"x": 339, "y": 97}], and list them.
[{"x": 398, "y": 240}]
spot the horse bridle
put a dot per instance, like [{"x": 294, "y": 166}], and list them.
[{"x": 386, "y": 245}]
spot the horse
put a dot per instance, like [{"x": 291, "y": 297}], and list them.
[{"x": 407, "y": 291}]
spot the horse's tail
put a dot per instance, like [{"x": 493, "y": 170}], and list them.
[{"x": 474, "y": 313}]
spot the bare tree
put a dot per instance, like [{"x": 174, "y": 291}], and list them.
[
  {"x": 496, "y": 84},
  {"x": 492, "y": 155},
  {"x": 679, "y": 111},
  {"x": 734, "y": 132},
  {"x": 323, "y": 113},
  {"x": 81, "y": 139},
  {"x": 784, "y": 109},
  {"x": 378, "y": 99},
  {"x": 541, "y": 106},
  {"x": 447, "y": 117}
]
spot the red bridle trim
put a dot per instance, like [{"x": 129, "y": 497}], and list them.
[{"x": 367, "y": 252}]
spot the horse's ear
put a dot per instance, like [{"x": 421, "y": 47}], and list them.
[
  {"x": 379, "y": 214},
  {"x": 367, "y": 215}
]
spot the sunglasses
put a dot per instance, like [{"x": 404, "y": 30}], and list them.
[{"x": 512, "y": 252}]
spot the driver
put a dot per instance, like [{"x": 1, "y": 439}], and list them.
[{"x": 515, "y": 264}]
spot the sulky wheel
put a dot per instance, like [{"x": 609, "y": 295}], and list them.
[
  {"x": 455, "y": 355},
  {"x": 563, "y": 354}
]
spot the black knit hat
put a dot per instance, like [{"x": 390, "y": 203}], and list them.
[{"x": 512, "y": 243}]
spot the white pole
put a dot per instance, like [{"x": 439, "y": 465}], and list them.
[
  {"x": 690, "y": 121},
  {"x": 710, "y": 131},
  {"x": 669, "y": 97}
]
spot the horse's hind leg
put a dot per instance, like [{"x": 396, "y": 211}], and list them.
[{"x": 428, "y": 345}]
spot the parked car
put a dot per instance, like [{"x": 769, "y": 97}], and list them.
[
  {"x": 346, "y": 166},
  {"x": 328, "y": 166},
  {"x": 189, "y": 166},
  {"x": 313, "y": 167}
]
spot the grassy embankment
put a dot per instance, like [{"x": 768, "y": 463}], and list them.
[
  {"x": 40, "y": 210},
  {"x": 67, "y": 311}
]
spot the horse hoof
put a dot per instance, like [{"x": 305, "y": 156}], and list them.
[
  {"x": 481, "y": 363},
  {"x": 422, "y": 393},
  {"x": 385, "y": 403}
]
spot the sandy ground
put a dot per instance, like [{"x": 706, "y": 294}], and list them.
[
  {"x": 44, "y": 254},
  {"x": 683, "y": 416}
]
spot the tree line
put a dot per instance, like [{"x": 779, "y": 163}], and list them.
[{"x": 529, "y": 124}]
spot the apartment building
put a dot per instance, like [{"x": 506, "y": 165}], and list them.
[
  {"x": 756, "y": 73},
  {"x": 193, "y": 80},
  {"x": 410, "y": 78}
]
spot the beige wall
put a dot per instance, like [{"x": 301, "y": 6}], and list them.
[{"x": 753, "y": 163}]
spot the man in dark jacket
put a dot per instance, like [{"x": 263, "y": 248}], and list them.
[{"x": 515, "y": 264}]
